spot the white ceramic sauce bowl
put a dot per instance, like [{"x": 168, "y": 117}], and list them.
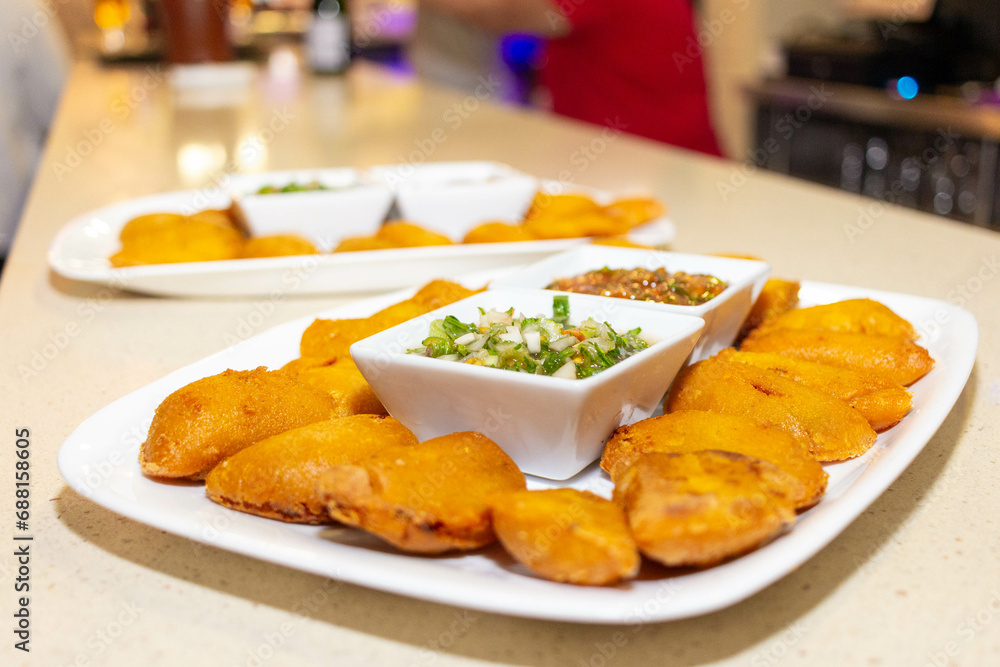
[
  {"x": 723, "y": 315},
  {"x": 552, "y": 427},
  {"x": 453, "y": 197},
  {"x": 355, "y": 205}
]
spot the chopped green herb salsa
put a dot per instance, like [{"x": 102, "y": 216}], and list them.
[
  {"x": 311, "y": 186},
  {"x": 535, "y": 345}
]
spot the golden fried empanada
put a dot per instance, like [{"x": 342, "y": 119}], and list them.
[
  {"x": 620, "y": 242},
  {"x": 333, "y": 338},
  {"x": 402, "y": 234},
  {"x": 167, "y": 238},
  {"x": 348, "y": 387},
  {"x": 298, "y": 366},
  {"x": 219, "y": 217},
  {"x": 696, "y": 430},
  {"x": 636, "y": 211},
  {"x": 279, "y": 245},
  {"x": 738, "y": 255},
  {"x": 438, "y": 293},
  {"x": 435, "y": 294},
  {"x": 497, "y": 232},
  {"x": 882, "y": 402},
  {"x": 778, "y": 296},
  {"x": 277, "y": 477},
  {"x": 360, "y": 243},
  {"x": 892, "y": 357},
  {"x": 202, "y": 423},
  {"x": 596, "y": 223},
  {"x": 150, "y": 223},
  {"x": 430, "y": 498},
  {"x": 566, "y": 535},
  {"x": 832, "y": 429},
  {"x": 700, "y": 508},
  {"x": 864, "y": 316},
  {"x": 560, "y": 205},
  {"x": 884, "y": 408}
]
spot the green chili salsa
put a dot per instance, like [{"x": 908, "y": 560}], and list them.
[
  {"x": 537, "y": 345},
  {"x": 679, "y": 289},
  {"x": 311, "y": 186}
]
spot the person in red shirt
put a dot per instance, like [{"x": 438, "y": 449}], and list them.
[{"x": 627, "y": 64}]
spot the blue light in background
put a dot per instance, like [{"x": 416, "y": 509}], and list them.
[
  {"x": 520, "y": 52},
  {"x": 907, "y": 87}
]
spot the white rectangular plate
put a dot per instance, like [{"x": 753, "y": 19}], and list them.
[
  {"x": 99, "y": 460},
  {"x": 81, "y": 249}
]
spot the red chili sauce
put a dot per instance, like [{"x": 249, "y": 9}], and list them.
[{"x": 680, "y": 289}]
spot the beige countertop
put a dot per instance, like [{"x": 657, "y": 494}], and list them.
[{"x": 915, "y": 580}]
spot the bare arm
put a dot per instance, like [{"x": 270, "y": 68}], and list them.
[{"x": 539, "y": 17}]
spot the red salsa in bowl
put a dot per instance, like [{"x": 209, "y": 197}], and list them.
[{"x": 659, "y": 285}]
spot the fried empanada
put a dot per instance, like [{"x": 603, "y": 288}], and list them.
[
  {"x": 864, "y": 316},
  {"x": 696, "y": 430},
  {"x": 279, "y": 245},
  {"x": 167, "y": 238},
  {"x": 832, "y": 429},
  {"x": 277, "y": 477},
  {"x": 339, "y": 377},
  {"x": 596, "y": 223},
  {"x": 635, "y": 211},
  {"x": 566, "y": 535},
  {"x": 402, "y": 234},
  {"x": 882, "y": 402},
  {"x": 884, "y": 408},
  {"x": 142, "y": 225},
  {"x": 435, "y": 294},
  {"x": 220, "y": 217},
  {"x": 298, "y": 366},
  {"x": 348, "y": 387},
  {"x": 620, "y": 242},
  {"x": 497, "y": 232},
  {"x": 393, "y": 234},
  {"x": 738, "y": 255},
  {"x": 430, "y": 498},
  {"x": 778, "y": 296},
  {"x": 699, "y": 508},
  {"x": 360, "y": 243},
  {"x": 892, "y": 357},
  {"x": 560, "y": 205},
  {"x": 333, "y": 338},
  {"x": 202, "y": 423}
]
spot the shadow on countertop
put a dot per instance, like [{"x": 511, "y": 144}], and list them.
[{"x": 429, "y": 626}]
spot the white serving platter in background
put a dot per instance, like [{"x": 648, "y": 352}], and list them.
[
  {"x": 99, "y": 460},
  {"x": 81, "y": 249}
]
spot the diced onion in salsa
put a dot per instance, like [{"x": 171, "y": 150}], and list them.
[{"x": 538, "y": 345}]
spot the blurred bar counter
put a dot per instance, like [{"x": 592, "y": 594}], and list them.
[{"x": 935, "y": 153}]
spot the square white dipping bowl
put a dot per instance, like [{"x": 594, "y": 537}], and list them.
[
  {"x": 355, "y": 205},
  {"x": 723, "y": 315},
  {"x": 552, "y": 427},
  {"x": 453, "y": 197}
]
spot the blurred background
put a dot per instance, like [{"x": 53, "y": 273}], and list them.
[{"x": 897, "y": 100}]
